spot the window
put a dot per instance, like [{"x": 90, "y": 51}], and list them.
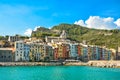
[
  {"x": 10, "y": 52},
  {"x": 16, "y": 45},
  {"x": 8, "y": 56},
  {"x": 24, "y": 54}
]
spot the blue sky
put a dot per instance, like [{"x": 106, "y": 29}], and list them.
[{"x": 19, "y": 16}]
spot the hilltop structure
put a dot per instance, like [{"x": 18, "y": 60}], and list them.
[
  {"x": 14, "y": 38},
  {"x": 62, "y": 38}
]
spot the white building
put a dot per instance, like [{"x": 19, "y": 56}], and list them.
[
  {"x": 14, "y": 38},
  {"x": 22, "y": 51},
  {"x": 73, "y": 50},
  {"x": 62, "y": 38}
]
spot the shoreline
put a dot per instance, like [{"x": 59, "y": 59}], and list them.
[
  {"x": 29, "y": 64},
  {"x": 103, "y": 64}
]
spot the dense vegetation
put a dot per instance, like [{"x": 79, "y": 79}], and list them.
[
  {"x": 108, "y": 38},
  {"x": 42, "y": 32}
]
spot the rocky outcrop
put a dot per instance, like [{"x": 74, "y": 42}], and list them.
[{"x": 107, "y": 64}]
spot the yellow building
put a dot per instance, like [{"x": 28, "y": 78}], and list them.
[
  {"x": 35, "y": 52},
  {"x": 41, "y": 52}
]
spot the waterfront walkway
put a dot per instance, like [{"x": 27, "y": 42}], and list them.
[
  {"x": 102, "y": 63},
  {"x": 29, "y": 63}
]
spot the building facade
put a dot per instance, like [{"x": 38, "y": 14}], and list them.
[
  {"x": 21, "y": 51},
  {"x": 13, "y": 38},
  {"x": 40, "y": 52},
  {"x": 55, "y": 53},
  {"x": 35, "y": 52},
  {"x": 6, "y": 54},
  {"x": 118, "y": 54},
  {"x": 73, "y": 50}
]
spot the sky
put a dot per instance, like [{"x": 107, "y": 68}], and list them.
[{"x": 23, "y": 16}]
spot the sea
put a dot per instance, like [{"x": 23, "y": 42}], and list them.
[{"x": 58, "y": 73}]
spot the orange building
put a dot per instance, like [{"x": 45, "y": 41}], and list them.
[
  {"x": 65, "y": 51},
  {"x": 79, "y": 50},
  {"x": 61, "y": 52},
  {"x": 55, "y": 53}
]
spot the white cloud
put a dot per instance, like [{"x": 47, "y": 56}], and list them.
[
  {"x": 99, "y": 22},
  {"x": 80, "y": 22},
  {"x": 36, "y": 28},
  {"x": 28, "y": 32},
  {"x": 117, "y": 22}
]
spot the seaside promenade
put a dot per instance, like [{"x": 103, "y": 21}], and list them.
[
  {"x": 30, "y": 63},
  {"x": 103, "y": 63}
]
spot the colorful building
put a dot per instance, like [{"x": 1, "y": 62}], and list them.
[
  {"x": 65, "y": 51},
  {"x": 73, "y": 50},
  {"x": 55, "y": 53},
  {"x": 61, "y": 51},
  {"x": 109, "y": 55},
  {"x": 40, "y": 52},
  {"x": 97, "y": 52},
  {"x": 35, "y": 52},
  {"x": 85, "y": 54},
  {"x": 6, "y": 54},
  {"x": 118, "y": 54},
  {"x": 48, "y": 53},
  {"x": 14, "y": 38},
  {"x": 21, "y": 51},
  {"x": 79, "y": 50}
]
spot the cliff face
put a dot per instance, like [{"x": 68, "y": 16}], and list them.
[{"x": 108, "y": 38}]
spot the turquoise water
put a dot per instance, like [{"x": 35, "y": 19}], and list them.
[{"x": 58, "y": 73}]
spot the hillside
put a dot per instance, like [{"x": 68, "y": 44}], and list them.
[
  {"x": 42, "y": 32},
  {"x": 108, "y": 38}
]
